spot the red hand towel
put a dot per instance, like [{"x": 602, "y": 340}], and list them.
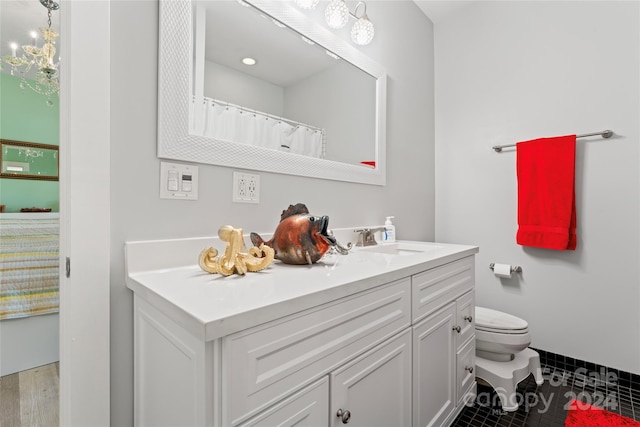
[{"x": 546, "y": 193}]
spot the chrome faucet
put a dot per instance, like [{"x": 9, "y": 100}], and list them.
[{"x": 367, "y": 236}]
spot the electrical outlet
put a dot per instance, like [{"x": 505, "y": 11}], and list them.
[
  {"x": 242, "y": 187},
  {"x": 246, "y": 188},
  {"x": 253, "y": 187}
]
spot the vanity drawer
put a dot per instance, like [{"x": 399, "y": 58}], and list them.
[
  {"x": 434, "y": 288},
  {"x": 465, "y": 317},
  {"x": 466, "y": 366},
  {"x": 308, "y": 407},
  {"x": 265, "y": 364}
]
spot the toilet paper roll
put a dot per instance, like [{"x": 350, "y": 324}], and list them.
[{"x": 502, "y": 270}]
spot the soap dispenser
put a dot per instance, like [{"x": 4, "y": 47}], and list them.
[{"x": 389, "y": 230}]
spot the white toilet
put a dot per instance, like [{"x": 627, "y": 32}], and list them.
[{"x": 503, "y": 358}]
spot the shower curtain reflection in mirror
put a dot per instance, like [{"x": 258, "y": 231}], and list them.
[{"x": 228, "y": 122}]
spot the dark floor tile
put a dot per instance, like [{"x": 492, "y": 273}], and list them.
[{"x": 546, "y": 405}]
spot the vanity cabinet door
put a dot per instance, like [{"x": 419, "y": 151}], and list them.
[
  {"x": 434, "y": 375},
  {"x": 375, "y": 388},
  {"x": 307, "y": 408}
]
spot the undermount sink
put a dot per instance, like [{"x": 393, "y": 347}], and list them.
[{"x": 399, "y": 248}]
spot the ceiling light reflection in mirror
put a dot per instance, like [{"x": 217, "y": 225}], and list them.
[{"x": 297, "y": 97}]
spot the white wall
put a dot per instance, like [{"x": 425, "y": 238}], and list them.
[
  {"x": 226, "y": 84},
  {"x": 138, "y": 213},
  {"x": 343, "y": 103},
  {"x": 512, "y": 71}
]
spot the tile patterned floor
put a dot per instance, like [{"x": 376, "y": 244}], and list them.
[{"x": 546, "y": 405}]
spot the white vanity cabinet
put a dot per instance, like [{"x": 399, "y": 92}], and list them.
[
  {"x": 306, "y": 408},
  {"x": 265, "y": 364},
  {"x": 372, "y": 390},
  {"x": 378, "y": 350},
  {"x": 434, "y": 368},
  {"x": 443, "y": 342},
  {"x": 375, "y": 389}
]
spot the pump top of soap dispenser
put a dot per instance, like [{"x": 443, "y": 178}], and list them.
[{"x": 388, "y": 221}]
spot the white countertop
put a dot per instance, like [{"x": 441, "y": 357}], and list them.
[{"x": 165, "y": 273}]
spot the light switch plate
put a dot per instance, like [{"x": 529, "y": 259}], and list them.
[{"x": 178, "y": 181}]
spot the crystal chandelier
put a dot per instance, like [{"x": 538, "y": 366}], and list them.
[{"x": 41, "y": 59}]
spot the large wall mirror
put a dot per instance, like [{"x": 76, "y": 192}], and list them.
[
  {"x": 312, "y": 104},
  {"x": 28, "y": 160}
]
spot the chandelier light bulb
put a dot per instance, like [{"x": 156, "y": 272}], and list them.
[
  {"x": 336, "y": 14},
  {"x": 36, "y": 66},
  {"x": 362, "y": 31},
  {"x": 307, "y": 4}
]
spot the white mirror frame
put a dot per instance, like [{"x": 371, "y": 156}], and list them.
[{"x": 175, "y": 65}]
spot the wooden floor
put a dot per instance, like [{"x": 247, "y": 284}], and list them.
[{"x": 30, "y": 398}]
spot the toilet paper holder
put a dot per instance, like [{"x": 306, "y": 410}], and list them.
[{"x": 514, "y": 268}]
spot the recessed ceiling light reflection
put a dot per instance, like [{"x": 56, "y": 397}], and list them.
[
  {"x": 331, "y": 54},
  {"x": 306, "y": 40},
  {"x": 248, "y": 61}
]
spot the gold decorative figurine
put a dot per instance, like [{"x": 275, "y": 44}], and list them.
[{"x": 235, "y": 258}]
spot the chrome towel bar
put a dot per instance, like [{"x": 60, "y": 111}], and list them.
[{"x": 604, "y": 134}]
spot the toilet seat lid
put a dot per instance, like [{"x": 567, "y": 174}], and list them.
[{"x": 496, "y": 321}]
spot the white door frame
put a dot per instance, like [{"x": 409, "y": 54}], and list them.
[{"x": 84, "y": 213}]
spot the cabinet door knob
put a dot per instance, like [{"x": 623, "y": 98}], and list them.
[
  {"x": 468, "y": 318},
  {"x": 457, "y": 329},
  {"x": 470, "y": 369},
  {"x": 345, "y": 415}
]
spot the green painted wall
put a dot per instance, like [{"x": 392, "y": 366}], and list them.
[{"x": 25, "y": 116}]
